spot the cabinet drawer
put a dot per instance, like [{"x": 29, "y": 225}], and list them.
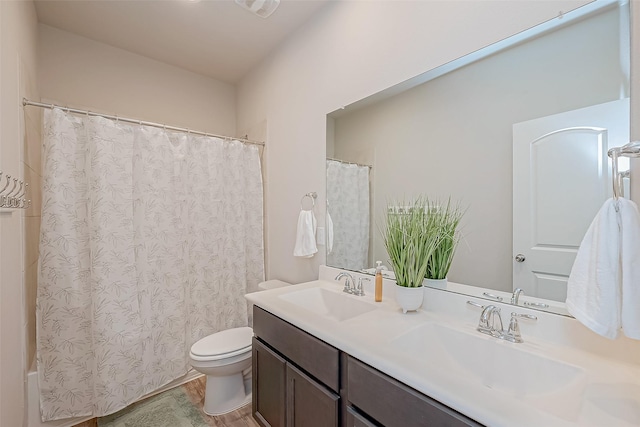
[
  {"x": 393, "y": 404},
  {"x": 314, "y": 356}
]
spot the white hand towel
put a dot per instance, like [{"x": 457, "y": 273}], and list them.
[
  {"x": 329, "y": 234},
  {"x": 630, "y": 267},
  {"x": 306, "y": 235},
  {"x": 593, "y": 291}
]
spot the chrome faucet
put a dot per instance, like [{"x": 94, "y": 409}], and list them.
[
  {"x": 491, "y": 323},
  {"x": 487, "y": 324},
  {"x": 349, "y": 283},
  {"x": 516, "y": 296}
]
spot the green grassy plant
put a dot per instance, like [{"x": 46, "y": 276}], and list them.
[
  {"x": 404, "y": 240},
  {"x": 446, "y": 219}
]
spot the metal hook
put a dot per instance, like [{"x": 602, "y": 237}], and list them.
[
  {"x": 19, "y": 189},
  {"x": 10, "y": 198},
  {"x": 7, "y": 184},
  {"x": 24, "y": 192},
  {"x": 15, "y": 184}
]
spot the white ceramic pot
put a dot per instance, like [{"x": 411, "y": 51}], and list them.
[
  {"x": 410, "y": 299},
  {"x": 436, "y": 283}
]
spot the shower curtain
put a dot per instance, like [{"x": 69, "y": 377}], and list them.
[
  {"x": 149, "y": 241},
  {"x": 348, "y": 206}
]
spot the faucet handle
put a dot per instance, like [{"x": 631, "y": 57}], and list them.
[
  {"x": 475, "y": 304},
  {"x": 492, "y": 296},
  {"x": 524, "y": 316},
  {"x": 536, "y": 304},
  {"x": 513, "y": 333},
  {"x": 360, "y": 290}
]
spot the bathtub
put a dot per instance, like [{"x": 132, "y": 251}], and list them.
[{"x": 33, "y": 399}]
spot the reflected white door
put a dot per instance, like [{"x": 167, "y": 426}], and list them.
[{"x": 561, "y": 178}]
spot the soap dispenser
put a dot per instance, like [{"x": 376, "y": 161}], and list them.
[{"x": 378, "y": 290}]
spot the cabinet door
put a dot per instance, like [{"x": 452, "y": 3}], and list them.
[
  {"x": 355, "y": 419},
  {"x": 269, "y": 386},
  {"x": 309, "y": 404}
]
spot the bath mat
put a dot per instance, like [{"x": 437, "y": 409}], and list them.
[{"x": 172, "y": 408}]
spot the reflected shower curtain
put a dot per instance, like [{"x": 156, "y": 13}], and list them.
[
  {"x": 348, "y": 206},
  {"x": 149, "y": 241}
]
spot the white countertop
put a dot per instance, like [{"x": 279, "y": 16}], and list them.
[{"x": 609, "y": 394}]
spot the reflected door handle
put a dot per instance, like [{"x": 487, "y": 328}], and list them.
[{"x": 520, "y": 258}]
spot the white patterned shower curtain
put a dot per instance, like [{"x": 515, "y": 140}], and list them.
[
  {"x": 348, "y": 206},
  {"x": 149, "y": 241}
]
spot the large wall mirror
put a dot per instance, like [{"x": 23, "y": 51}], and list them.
[{"x": 517, "y": 133}]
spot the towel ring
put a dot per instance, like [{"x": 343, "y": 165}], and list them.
[{"x": 311, "y": 196}]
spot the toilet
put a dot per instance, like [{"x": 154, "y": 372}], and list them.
[{"x": 225, "y": 358}]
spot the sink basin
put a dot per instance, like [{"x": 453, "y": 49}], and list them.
[
  {"x": 500, "y": 366},
  {"x": 334, "y": 305}
]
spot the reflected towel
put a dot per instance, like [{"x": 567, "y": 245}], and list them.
[
  {"x": 603, "y": 291},
  {"x": 329, "y": 234},
  {"x": 306, "y": 235}
]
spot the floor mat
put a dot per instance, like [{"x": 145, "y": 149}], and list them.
[{"x": 172, "y": 408}]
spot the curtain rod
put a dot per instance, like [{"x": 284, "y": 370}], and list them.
[
  {"x": 350, "y": 163},
  {"x": 26, "y": 102}
]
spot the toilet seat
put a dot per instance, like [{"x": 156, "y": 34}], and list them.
[{"x": 223, "y": 345}]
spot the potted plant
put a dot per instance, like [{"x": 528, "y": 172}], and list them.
[
  {"x": 444, "y": 231},
  {"x": 408, "y": 250}
]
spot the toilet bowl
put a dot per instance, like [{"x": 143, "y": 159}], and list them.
[{"x": 225, "y": 358}]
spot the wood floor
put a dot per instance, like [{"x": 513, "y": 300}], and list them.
[{"x": 195, "y": 390}]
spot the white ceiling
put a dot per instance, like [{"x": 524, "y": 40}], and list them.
[{"x": 216, "y": 38}]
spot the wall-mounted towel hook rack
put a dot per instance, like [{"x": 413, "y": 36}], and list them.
[
  {"x": 312, "y": 195},
  {"x": 13, "y": 197},
  {"x": 632, "y": 149}
]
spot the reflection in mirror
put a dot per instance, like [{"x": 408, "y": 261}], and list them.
[
  {"x": 348, "y": 214},
  {"x": 518, "y": 133}
]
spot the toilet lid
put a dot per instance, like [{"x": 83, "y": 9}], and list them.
[{"x": 224, "y": 342}]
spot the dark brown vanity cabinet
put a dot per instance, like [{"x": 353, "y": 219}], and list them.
[
  {"x": 301, "y": 381},
  {"x": 295, "y": 376}
]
